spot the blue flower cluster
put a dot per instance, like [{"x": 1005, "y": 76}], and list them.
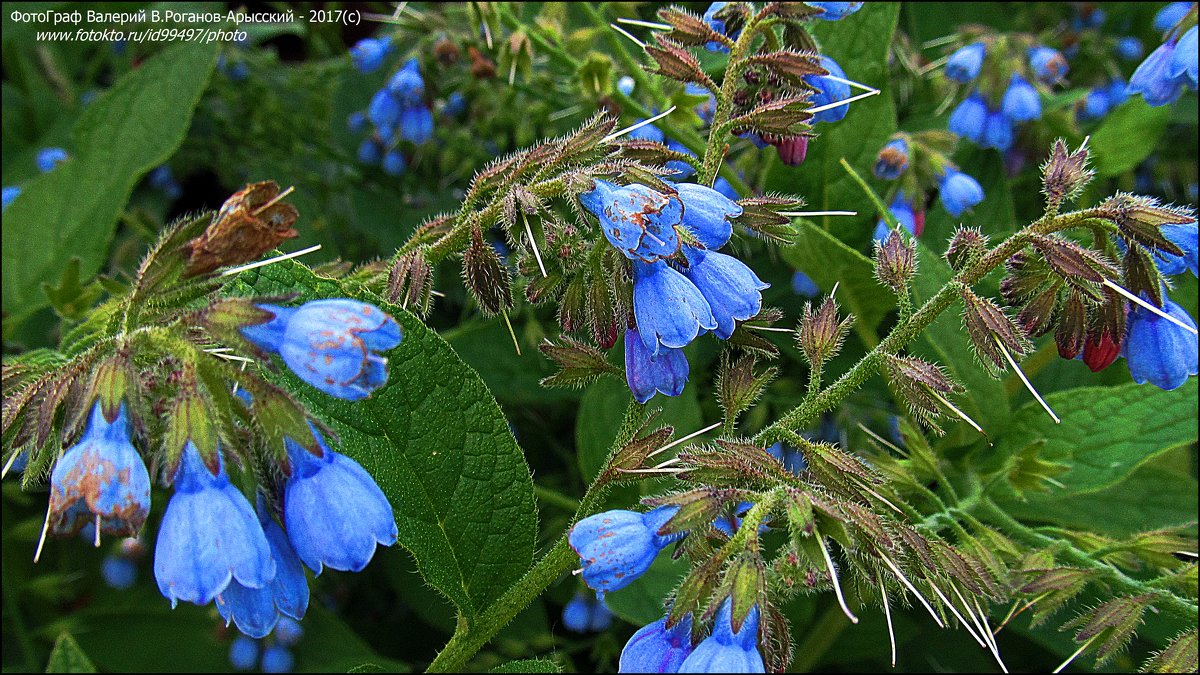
[
  {"x": 1168, "y": 71},
  {"x": 993, "y": 126},
  {"x": 674, "y": 300},
  {"x": 397, "y": 112},
  {"x": 659, "y": 649},
  {"x": 212, "y": 545}
]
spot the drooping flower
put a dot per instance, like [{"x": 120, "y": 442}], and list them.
[
  {"x": 727, "y": 651},
  {"x": 118, "y": 572},
  {"x": 965, "y": 63},
  {"x": 209, "y": 536},
  {"x": 835, "y": 11},
  {"x": 1021, "y": 102},
  {"x": 1130, "y": 48},
  {"x": 48, "y": 158},
  {"x": 277, "y": 659},
  {"x": 1159, "y": 351},
  {"x": 369, "y": 54},
  {"x": 416, "y": 124},
  {"x": 658, "y": 649},
  {"x": 1095, "y": 105},
  {"x": 969, "y": 118},
  {"x": 100, "y": 479},
  {"x": 586, "y": 614},
  {"x": 670, "y": 311},
  {"x": 719, "y": 25},
  {"x": 724, "y": 187},
  {"x": 997, "y": 132},
  {"x": 626, "y": 84},
  {"x": 334, "y": 511},
  {"x": 393, "y": 163},
  {"x": 1153, "y": 79},
  {"x": 959, "y": 192},
  {"x": 288, "y": 631},
  {"x": 648, "y": 374},
  {"x": 1171, "y": 14},
  {"x": 733, "y": 291},
  {"x": 892, "y": 160},
  {"x": 331, "y": 344},
  {"x": 256, "y": 611},
  {"x": 829, "y": 91},
  {"x": 617, "y": 547},
  {"x": 384, "y": 110},
  {"x": 370, "y": 151},
  {"x": 638, "y": 221},
  {"x": 11, "y": 192},
  {"x": 407, "y": 85},
  {"x": 707, "y": 213},
  {"x": 802, "y": 284},
  {"x": 243, "y": 653},
  {"x": 904, "y": 214},
  {"x": 1048, "y": 64},
  {"x": 1184, "y": 62}
]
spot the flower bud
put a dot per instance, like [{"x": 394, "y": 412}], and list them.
[
  {"x": 821, "y": 334},
  {"x": 966, "y": 247},
  {"x": 895, "y": 262}
]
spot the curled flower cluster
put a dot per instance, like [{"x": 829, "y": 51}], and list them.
[
  {"x": 988, "y": 118},
  {"x": 212, "y": 545},
  {"x": 397, "y": 112},
  {"x": 680, "y": 289}
]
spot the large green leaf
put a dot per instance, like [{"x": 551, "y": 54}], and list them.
[
  {"x": 437, "y": 443},
  {"x": 1128, "y": 136},
  {"x": 859, "y": 43},
  {"x": 72, "y": 211},
  {"x": 1106, "y": 432},
  {"x": 828, "y": 261}
]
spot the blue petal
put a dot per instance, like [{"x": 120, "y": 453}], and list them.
[
  {"x": 251, "y": 609},
  {"x": 268, "y": 336},
  {"x": 731, "y": 288},
  {"x": 208, "y": 536},
  {"x": 658, "y": 649},
  {"x": 1158, "y": 351},
  {"x": 648, "y": 374},
  {"x": 636, "y": 220},
  {"x": 706, "y": 214},
  {"x": 334, "y": 512},
  {"x": 669, "y": 309}
]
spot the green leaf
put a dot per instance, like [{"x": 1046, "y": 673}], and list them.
[
  {"x": 1155, "y": 496},
  {"x": 73, "y": 210},
  {"x": 1106, "y": 432},
  {"x": 1128, "y": 135},
  {"x": 67, "y": 657},
  {"x": 439, "y": 447},
  {"x": 528, "y": 666},
  {"x": 828, "y": 261},
  {"x": 945, "y": 341},
  {"x": 859, "y": 43},
  {"x": 603, "y": 408}
]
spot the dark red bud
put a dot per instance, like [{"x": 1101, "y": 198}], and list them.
[
  {"x": 792, "y": 150},
  {"x": 918, "y": 223},
  {"x": 1099, "y": 354}
]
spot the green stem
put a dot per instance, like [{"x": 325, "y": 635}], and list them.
[
  {"x": 1113, "y": 577},
  {"x": 470, "y": 636},
  {"x": 714, "y": 152},
  {"x": 556, "y": 498},
  {"x": 904, "y": 332}
]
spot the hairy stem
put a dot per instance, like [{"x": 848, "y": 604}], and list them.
[
  {"x": 1107, "y": 574},
  {"x": 470, "y": 636}
]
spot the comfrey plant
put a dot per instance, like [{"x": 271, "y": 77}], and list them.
[
  {"x": 258, "y": 494},
  {"x": 599, "y": 227}
]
